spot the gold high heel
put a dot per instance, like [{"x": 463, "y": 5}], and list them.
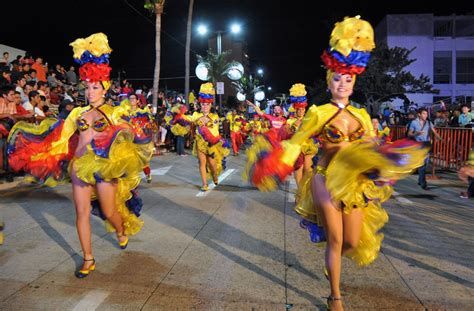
[
  {"x": 85, "y": 272},
  {"x": 123, "y": 244},
  {"x": 204, "y": 188}
]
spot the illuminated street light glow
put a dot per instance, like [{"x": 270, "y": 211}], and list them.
[
  {"x": 202, "y": 29},
  {"x": 235, "y": 28}
]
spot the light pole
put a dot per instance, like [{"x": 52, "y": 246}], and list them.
[{"x": 235, "y": 29}]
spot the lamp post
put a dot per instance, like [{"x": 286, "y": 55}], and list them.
[{"x": 235, "y": 29}]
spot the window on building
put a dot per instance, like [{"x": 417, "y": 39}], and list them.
[
  {"x": 461, "y": 99},
  {"x": 465, "y": 27},
  {"x": 442, "y": 67},
  {"x": 443, "y": 28},
  {"x": 465, "y": 67}
]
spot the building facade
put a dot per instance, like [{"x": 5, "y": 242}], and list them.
[{"x": 444, "y": 51}]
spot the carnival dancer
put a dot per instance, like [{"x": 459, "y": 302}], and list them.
[
  {"x": 209, "y": 147},
  {"x": 254, "y": 126},
  {"x": 237, "y": 123},
  {"x": 142, "y": 121},
  {"x": 383, "y": 133},
  {"x": 277, "y": 120},
  {"x": 180, "y": 127},
  {"x": 310, "y": 147},
  {"x": 354, "y": 174},
  {"x": 94, "y": 147}
]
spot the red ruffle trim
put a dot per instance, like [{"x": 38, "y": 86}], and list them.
[
  {"x": 300, "y": 105},
  {"x": 270, "y": 164},
  {"x": 208, "y": 137},
  {"x": 206, "y": 100},
  {"x": 52, "y": 166},
  {"x": 93, "y": 72}
]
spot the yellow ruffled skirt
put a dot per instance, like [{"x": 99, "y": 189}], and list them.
[
  {"x": 218, "y": 152},
  {"x": 122, "y": 165},
  {"x": 360, "y": 176},
  {"x": 179, "y": 130}
]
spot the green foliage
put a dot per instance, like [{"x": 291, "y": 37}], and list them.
[
  {"x": 387, "y": 79},
  {"x": 150, "y": 4},
  {"x": 248, "y": 86},
  {"x": 216, "y": 64}
]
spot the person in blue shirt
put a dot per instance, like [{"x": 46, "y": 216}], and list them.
[
  {"x": 465, "y": 118},
  {"x": 420, "y": 130}
]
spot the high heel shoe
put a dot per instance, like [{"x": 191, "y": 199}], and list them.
[
  {"x": 216, "y": 182},
  {"x": 85, "y": 272},
  {"x": 326, "y": 273},
  {"x": 204, "y": 188},
  {"x": 123, "y": 244},
  {"x": 332, "y": 299}
]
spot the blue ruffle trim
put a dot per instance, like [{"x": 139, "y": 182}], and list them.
[
  {"x": 316, "y": 233},
  {"x": 204, "y": 95},
  {"x": 87, "y": 57},
  {"x": 297, "y": 99},
  {"x": 356, "y": 58}
]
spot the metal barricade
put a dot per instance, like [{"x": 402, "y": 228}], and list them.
[{"x": 450, "y": 153}]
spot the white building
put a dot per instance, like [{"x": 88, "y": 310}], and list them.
[{"x": 444, "y": 51}]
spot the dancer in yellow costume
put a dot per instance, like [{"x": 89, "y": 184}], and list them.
[
  {"x": 180, "y": 127},
  {"x": 310, "y": 147},
  {"x": 354, "y": 174},
  {"x": 237, "y": 124},
  {"x": 142, "y": 122},
  {"x": 254, "y": 126},
  {"x": 95, "y": 147},
  {"x": 209, "y": 147}
]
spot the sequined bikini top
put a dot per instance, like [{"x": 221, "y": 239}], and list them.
[
  {"x": 333, "y": 134},
  {"x": 99, "y": 125}
]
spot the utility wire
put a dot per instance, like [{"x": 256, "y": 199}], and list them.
[{"x": 151, "y": 22}]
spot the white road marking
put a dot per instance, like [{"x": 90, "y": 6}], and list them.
[
  {"x": 92, "y": 300},
  {"x": 212, "y": 186},
  {"x": 291, "y": 191},
  {"x": 160, "y": 171},
  {"x": 291, "y": 197},
  {"x": 401, "y": 199}
]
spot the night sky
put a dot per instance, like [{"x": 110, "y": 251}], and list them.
[{"x": 278, "y": 33}]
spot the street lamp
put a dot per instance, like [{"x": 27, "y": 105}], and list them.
[
  {"x": 234, "y": 28},
  {"x": 260, "y": 71},
  {"x": 235, "y": 72}
]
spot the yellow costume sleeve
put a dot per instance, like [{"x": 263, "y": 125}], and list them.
[
  {"x": 69, "y": 128},
  {"x": 119, "y": 114},
  {"x": 311, "y": 125},
  {"x": 192, "y": 118}
]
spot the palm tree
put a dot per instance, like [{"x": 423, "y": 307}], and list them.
[
  {"x": 188, "y": 48},
  {"x": 156, "y": 6},
  {"x": 247, "y": 86},
  {"x": 216, "y": 64}
]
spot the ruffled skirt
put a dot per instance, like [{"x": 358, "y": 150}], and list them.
[
  {"x": 118, "y": 156},
  {"x": 217, "y": 149},
  {"x": 361, "y": 176}
]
